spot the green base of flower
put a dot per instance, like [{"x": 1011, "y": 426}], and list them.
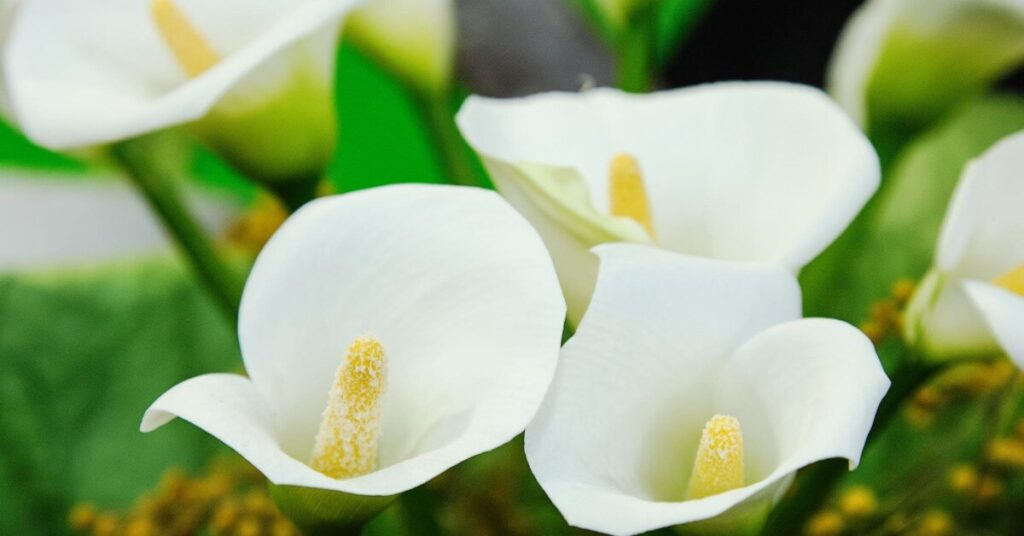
[
  {"x": 320, "y": 511},
  {"x": 284, "y": 141}
]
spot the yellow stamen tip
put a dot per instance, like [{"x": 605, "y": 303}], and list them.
[
  {"x": 626, "y": 192},
  {"x": 190, "y": 48},
  {"x": 1012, "y": 280},
  {"x": 718, "y": 466},
  {"x": 346, "y": 444}
]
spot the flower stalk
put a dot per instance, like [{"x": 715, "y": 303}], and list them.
[
  {"x": 635, "y": 50},
  {"x": 452, "y": 152},
  {"x": 159, "y": 185}
]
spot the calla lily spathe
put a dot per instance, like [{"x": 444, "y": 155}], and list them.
[
  {"x": 670, "y": 343},
  {"x": 414, "y": 38},
  {"x": 260, "y": 73},
  {"x": 445, "y": 294},
  {"x": 971, "y": 303},
  {"x": 903, "y": 63},
  {"x": 737, "y": 171}
]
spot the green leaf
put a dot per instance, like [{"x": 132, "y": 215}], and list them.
[
  {"x": 81, "y": 357},
  {"x": 17, "y": 151},
  {"x": 895, "y": 235},
  {"x": 381, "y": 139}
]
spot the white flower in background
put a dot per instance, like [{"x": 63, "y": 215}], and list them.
[
  {"x": 258, "y": 73},
  {"x": 413, "y": 38},
  {"x": 905, "y": 62},
  {"x": 49, "y": 221},
  {"x": 737, "y": 171},
  {"x": 387, "y": 335},
  {"x": 971, "y": 303},
  {"x": 692, "y": 392}
]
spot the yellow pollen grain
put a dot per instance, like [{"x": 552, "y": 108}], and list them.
[
  {"x": 626, "y": 193},
  {"x": 1012, "y": 280},
  {"x": 718, "y": 466},
  {"x": 346, "y": 444},
  {"x": 190, "y": 48}
]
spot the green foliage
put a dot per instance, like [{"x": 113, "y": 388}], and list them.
[
  {"x": 381, "y": 139},
  {"x": 17, "y": 151},
  {"x": 83, "y": 355},
  {"x": 895, "y": 236}
]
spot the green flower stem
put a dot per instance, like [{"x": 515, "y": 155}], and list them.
[
  {"x": 814, "y": 485},
  {"x": 635, "y": 50},
  {"x": 439, "y": 120},
  {"x": 158, "y": 183}
]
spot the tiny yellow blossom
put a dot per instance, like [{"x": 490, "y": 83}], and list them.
[
  {"x": 963, "y": 478},
  {"x": 858, "y": 502},
  {"x": 825, "y": 523},
  {"x": 935, "y": 523}
]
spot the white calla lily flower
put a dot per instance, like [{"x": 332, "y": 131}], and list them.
[
  {"x": 692, "y": 392},
  {"x": 905, "y": 62},
  {"x": 413, "y": 38},
  {"x": 971, "y": 303},
  {"x": 749, "y": 171},
  {"x": 388, "y": 335},
  {"x": 258, "y": 74}
]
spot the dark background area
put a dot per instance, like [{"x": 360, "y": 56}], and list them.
[{"x": 788, "y": 40}]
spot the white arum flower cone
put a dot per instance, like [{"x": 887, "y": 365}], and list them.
[
  {"x": 450, "y": 285},
  {"x": 749, "y": 171},
  {"x": 971, "y": 303},
  {"x": 413, "y": 38},
  {"x": 259, "y": 72},
  {"x": 905, "y": 62},
  {"x": 669, "y": 343}
]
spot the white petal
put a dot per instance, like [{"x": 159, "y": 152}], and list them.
[
  {"x": 943, "y": 324},
  {"x": 555, "y": 201},
  {"x": 856, "y": 52},
  {"x": 738, "y": 171},
  {"x": 804, "y": 391},
  {"x": 47, "y": 221},
  {"x": 455, "y": 285},
  {"x": 228, "y": 407},
  {"x": 614, "y": 440},
  {"x": 978, "y": 238},
  {"x": 1003, "y": 312},
  {"x": 80, "y": 75}
]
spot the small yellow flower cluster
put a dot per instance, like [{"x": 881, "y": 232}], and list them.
[
  {"x": 858, "y": 513},
  {"x": 887, "y": 313},
  {"x": 857, "y": 507},
  {"x": 958, "y": 383},
  {"x": 230, "y": 500},
  {"x": 254, "y": 228},
  {"x": 982, "y": 488}
]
